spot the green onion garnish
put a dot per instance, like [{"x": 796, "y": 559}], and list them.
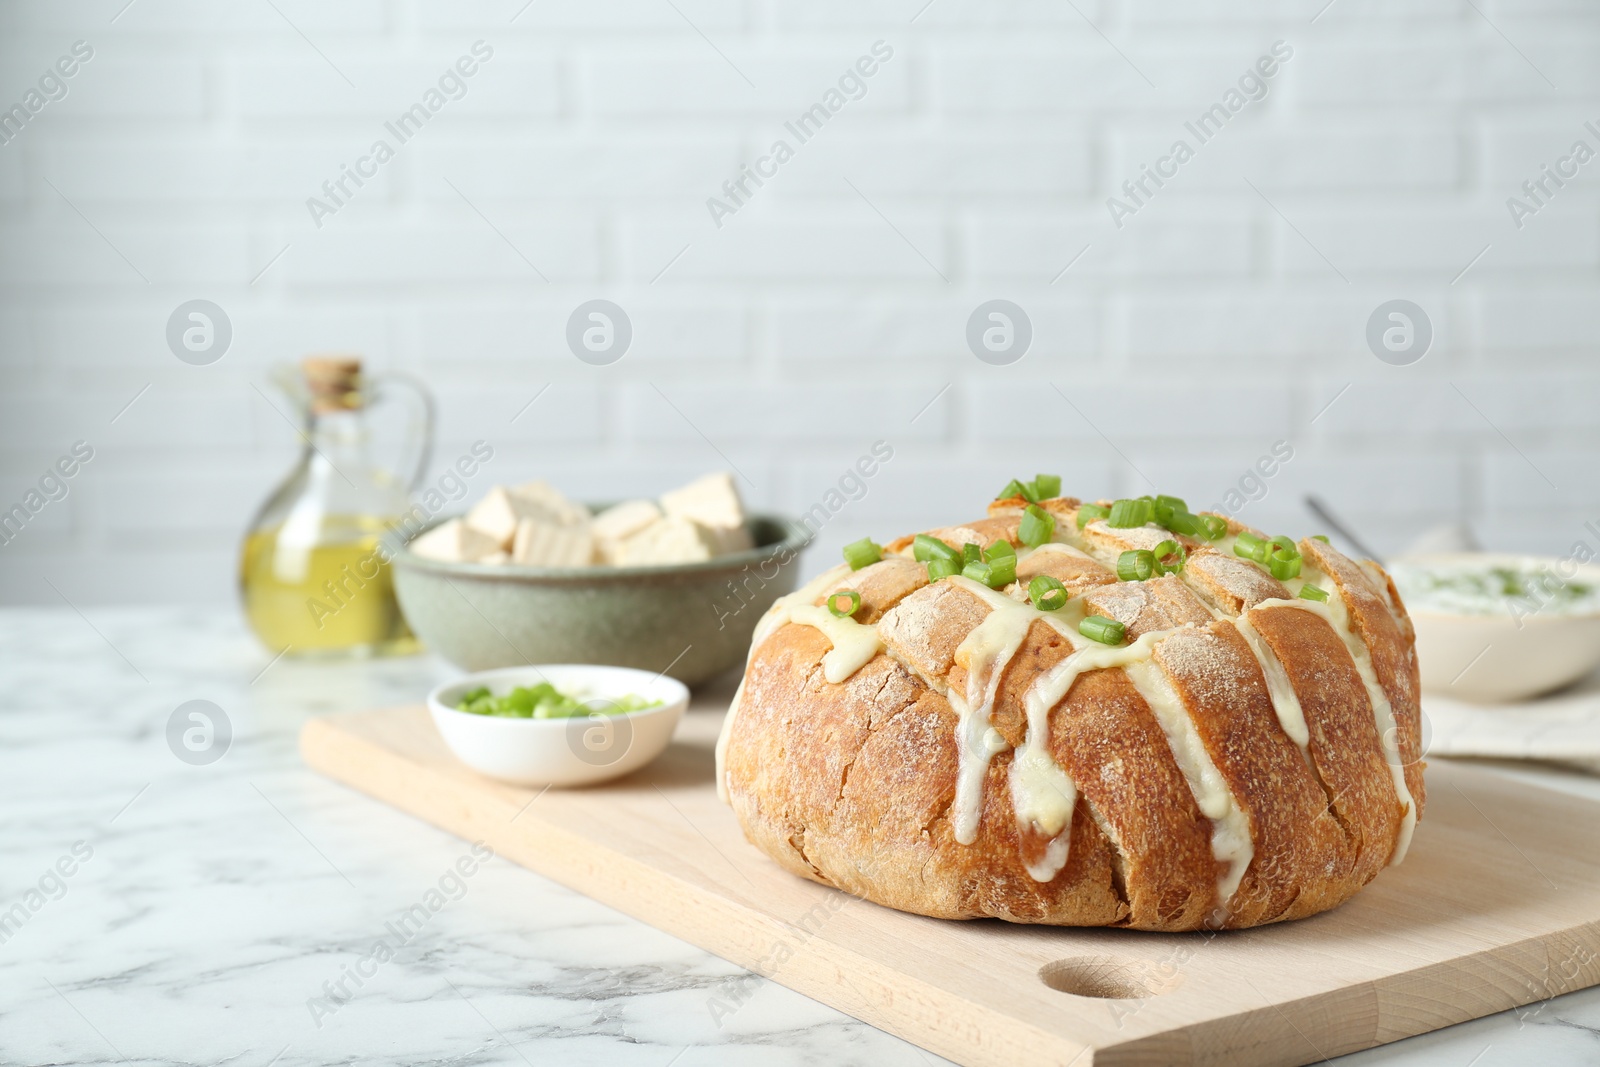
[
  {"x": 1002, "y": 571},
  {"x": 1321, "y": 537},
  {"x": 1126, "y": 514},
  {"x": 1182, "y": 522},
  {"x": 1046, "y": 486},
  {"x": 1136, "y": 565},
  {"x": 1047, "y": 593},
  {"x": 1287, "y": 545},
  {"x": 1170, "y": 557},
  {"x": 926, "y": 547},
  {"x": 1087, "y": 513},
  {"x": 981, "y": 573},
  {"x": 942, "y": 568},
  {"x": 997, "y": 550},
  {"x": 1015, "y": 488},
  {"x": 1283, "y": 567},
  {"x": 1167, "y": 508},
  {"x": 1037, "y": 526},
  {"x": 852, "y": 601},
  {"x": 971, "y": 553},
  {"x": 1215, "y": 527},
  {"x": 1106, "y": 631},
  {"x": 862, "y": 553},
  {"x": 1247, "y": 544},
  {"x": 1312, "y": 592}
]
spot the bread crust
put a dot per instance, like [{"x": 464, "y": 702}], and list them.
[{"x": 854, "y": 783}]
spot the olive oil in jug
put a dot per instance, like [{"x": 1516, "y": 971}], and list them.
[{"x": 314, "y": 574}]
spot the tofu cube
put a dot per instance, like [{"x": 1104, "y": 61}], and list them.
[
  {"x": 625, "y": 519},
  {"x": 713, "y": 503},
  {"x": 456, "y": 542},
  {"x": 543, "y": 544},
  {"x": 499, "y": 512},
  {"x": 538, "y": 500},
  {"x": 615, "y": 525},
  {"x": 668, "y": 540}
]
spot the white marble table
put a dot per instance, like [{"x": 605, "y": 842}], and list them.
[{"x": 217, "y": 900}]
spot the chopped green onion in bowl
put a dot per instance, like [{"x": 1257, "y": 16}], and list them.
[{"x": 545, "y": 701}]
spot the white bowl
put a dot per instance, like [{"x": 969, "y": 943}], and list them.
[
  {"x": 1503, "y": 658},
  {"x": 576, "y": 751}
]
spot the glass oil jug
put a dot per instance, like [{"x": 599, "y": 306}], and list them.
[{"x": 314, "y": 571}]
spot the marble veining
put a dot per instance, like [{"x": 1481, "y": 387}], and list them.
[{"x": 219, "y": 903}]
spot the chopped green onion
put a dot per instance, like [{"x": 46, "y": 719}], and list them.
[
  {"x": 1215, "y": 526},
  {"x": 1037, "y": 526},
  {"x": 1313, "y": 592},
  {"x": 981, "y": 573},
  {"x": 926, "y": 547},
  {"x": 998, "y": 550},
  {"x": 1247, "y": 544},
  {"x": 1046, "y": 486},
  {"x": 1321, "y": 537},
  {"x": 852, "y": 600},
  {"x": 971, "y": 553},
  {"x": 1002, "y": 571},
  {"x": 1087, "y": 513},
  {"x": 1290, "y": 549},
  {"x": 1015, "y": 488},
  {"x": 1170, "y": 557},
  {"x": 1166, "y": 509},
  {"x": 862, "y": 553},
  {"x": 1047, "y": 593},
  {"x": 1283, "y": 567},
  {"x": 1181, "y": 522},
  {"x": 942, "y": 568},
  {"x": 1136, "y": 564},
  {"x": 1126, "y": 514},
  {"x": 1106, "y": 631}
]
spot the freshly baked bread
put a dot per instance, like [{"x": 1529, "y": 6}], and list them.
[{"x": 1246, "y": 753}]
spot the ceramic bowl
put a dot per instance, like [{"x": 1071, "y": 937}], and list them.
[
  {"x": 1502, "y": 658},
  {"x": 691, "y": 620},
  {"x": 561, "y": 752}
]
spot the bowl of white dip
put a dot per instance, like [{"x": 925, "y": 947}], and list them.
[{"x": 1495, "y": 628}]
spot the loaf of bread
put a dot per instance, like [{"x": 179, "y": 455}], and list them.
[{"x": 1247, "y": 752}]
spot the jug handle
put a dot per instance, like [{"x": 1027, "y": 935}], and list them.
[{"x": 425, "y": 413}]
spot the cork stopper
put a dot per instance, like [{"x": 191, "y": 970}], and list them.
[{"x": 334, "y": 381}]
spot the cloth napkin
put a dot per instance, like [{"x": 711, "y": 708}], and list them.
[{"x": 1563, "y": 727}]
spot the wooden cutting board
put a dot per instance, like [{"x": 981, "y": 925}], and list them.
[{"x": 1498, "y": 905}]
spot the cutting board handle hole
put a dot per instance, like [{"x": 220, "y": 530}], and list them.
[{"x": 1110, "y": 978}]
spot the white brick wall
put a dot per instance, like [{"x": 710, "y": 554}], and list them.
[{"x": 819, "y": 317}]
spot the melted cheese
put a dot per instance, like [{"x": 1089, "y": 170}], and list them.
[
  {"x": 854, "y": 645},
  {"x": 984, "y": 653},
  {"x": 1055, "y": 546},
  {"x": 1285, "y": 701},
  {"x": 1042, "y": 793},
  {"x": 1231, "y": 840},
  {"x": 776, "y": 616},
  {"x": 1337, "y": 614}
]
